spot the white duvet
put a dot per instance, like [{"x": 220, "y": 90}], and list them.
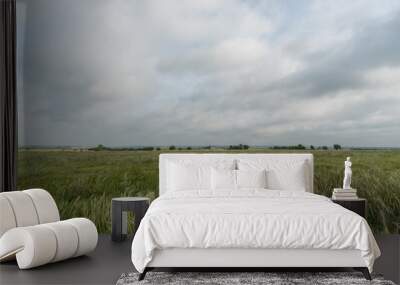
[{"x": 250, "y": 219}]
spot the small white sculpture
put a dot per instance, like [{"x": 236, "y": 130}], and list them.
[{"x": 347, "y": 174}]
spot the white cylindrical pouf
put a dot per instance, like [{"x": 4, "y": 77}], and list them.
[
  {"x": 23, "y": 208},
  {"x": 33, "y": 246},
  {"x": 67, "y": 239},
  {"x": 45, "y": 205},
  {"x": 7, "y": 218},
  {"x": 87, "y": 234}
]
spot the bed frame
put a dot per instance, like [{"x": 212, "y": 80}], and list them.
[
  {"x": 245, "y": 259},
  {"x": 249, "y": 259}
]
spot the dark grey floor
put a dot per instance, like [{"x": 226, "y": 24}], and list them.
[
  {"x": 389, "y": 262},
  {"x": 110, "y": 260},
  {"x": 103, "y": 266}
]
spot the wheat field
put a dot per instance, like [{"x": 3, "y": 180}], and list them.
[{"x": 83, "y": 182}]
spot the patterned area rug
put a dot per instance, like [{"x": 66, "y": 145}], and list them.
[{"x": 225, "y": 278}]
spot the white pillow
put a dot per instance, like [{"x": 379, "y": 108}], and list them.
[
  {"x": 288, "y": 177},
  {"x": 188, "y": 177},
  {"x": 251, "y": 178},
  {"x": 223, "y": 179},
  {"x": 281, "y": 174}
]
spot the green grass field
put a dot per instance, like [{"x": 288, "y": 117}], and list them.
[{"x": 83, "y": 182}]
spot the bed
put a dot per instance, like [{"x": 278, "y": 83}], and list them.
[{"x": 247, "y": 210}]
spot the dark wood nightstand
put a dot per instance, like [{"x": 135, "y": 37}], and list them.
[
  {"x": 358, "y": 205},
  {"x": 119, "y": 208}
]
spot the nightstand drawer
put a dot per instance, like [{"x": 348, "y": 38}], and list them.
[{"x": 358, "y": 206}]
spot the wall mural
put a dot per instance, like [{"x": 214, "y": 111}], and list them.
[{"x": 105, "y": 87}]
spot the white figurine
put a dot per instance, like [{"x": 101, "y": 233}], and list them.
[{"x": 347, "y": 174}]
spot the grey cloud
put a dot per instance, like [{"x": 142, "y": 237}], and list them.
[
  {"x": 124, "y": 74},
  {"x": 374, "y": 45}
]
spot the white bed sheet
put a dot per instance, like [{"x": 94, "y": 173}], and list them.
[{"x": 250, "y": 218}]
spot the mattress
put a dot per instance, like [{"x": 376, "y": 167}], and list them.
[{"x": 250, "y": 219}]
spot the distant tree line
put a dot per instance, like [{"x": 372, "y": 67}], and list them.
[
  {"x": 239, "y": 146},
  {"x": 172, "y": 147},
  {"x": 101, "y": 147},
  {"x": 300, "y": 146}
]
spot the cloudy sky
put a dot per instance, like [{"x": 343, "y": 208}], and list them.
[{"x": 125, "y": 73}]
